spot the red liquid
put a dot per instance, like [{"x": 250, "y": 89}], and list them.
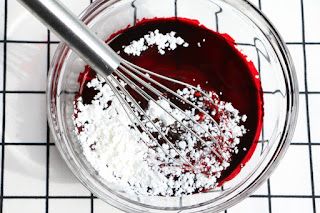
[{"x": 217, "y": 66}]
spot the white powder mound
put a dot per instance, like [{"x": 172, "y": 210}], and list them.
[
  {"x": 129, "y": 159},
  {"x": 167, "y": 41}
]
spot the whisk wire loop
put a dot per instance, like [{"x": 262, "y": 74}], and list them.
[{"x": 148, "y": 97}]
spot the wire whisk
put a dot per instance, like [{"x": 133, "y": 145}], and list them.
[
  {"x": 133, "y": 85},
  {"x": 144, "y": 85}
]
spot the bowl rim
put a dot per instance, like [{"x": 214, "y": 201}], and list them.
[{"x": 266, "y": 167}]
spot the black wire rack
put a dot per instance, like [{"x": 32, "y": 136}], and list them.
[{"x": 44, "y": 184}]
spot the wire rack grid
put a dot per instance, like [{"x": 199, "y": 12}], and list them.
[{"x": 33, "y": 177}]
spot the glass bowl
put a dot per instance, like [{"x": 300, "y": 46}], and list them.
[{"x": 254, "y": 36}]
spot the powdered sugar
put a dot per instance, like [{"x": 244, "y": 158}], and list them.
[
  {"x": 121, "y": 154},
  {"x": 167, "y": 41}
]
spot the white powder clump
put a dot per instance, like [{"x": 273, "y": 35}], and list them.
[{"x": 168, "y": 41}]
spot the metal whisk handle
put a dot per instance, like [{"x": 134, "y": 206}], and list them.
[{"x": 75, "y": 33}]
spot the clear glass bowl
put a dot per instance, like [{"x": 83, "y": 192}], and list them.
[{"x": 255, "y": 37}]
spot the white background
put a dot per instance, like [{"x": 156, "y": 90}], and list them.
[{"x": 34, "y": 179}]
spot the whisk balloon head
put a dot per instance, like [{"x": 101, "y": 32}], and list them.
[{"x": 174, "y": 117}]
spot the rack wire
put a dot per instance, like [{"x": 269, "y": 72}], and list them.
[{"x": 43, "y": 191}]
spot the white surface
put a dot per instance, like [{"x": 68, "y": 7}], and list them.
[
  {"x": 313, "y": 53},
  {"x": 24, "y": 205},
  {"x": 25, "y": 118},
  {"x": 69, "y": 205},
  {"x": 316, "y": 160},
  {"x": 278, "y": 13},
  {"x": 25, "y": 171},
  {"x": 23, "y": 75},
  {"x": 251, "y": 205},
  {"x": 21, "y": 25},
  {"x": 311, "y": 20},
  {"x": 292, "y": 205},
  {"x": 293, "y": 175},
  {"x": 25, "y": 167},
  {"x": 314, "y": 119}
]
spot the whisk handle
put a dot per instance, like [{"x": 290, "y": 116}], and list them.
[{"x": 75, "y": 33}]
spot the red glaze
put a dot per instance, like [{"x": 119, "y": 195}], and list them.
[{"x": 217, "y": 66}]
